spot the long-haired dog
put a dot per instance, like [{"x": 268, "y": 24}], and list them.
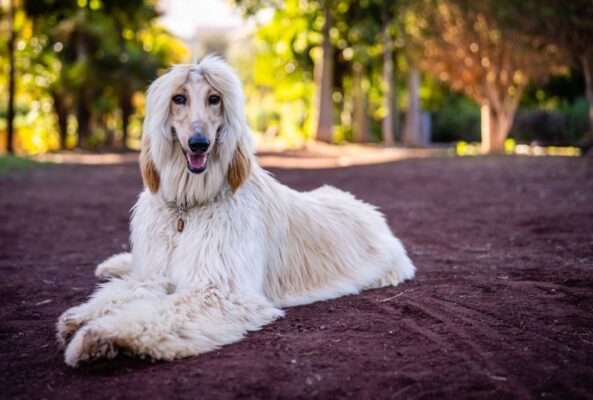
[{"x": 219, "y": 247}]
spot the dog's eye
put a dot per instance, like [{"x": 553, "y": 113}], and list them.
[
  {"x": 178, "y": 99},
  {"x": 213, "y": 100}
]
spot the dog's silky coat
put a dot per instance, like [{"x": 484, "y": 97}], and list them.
[{"x": 247, "y": 245}]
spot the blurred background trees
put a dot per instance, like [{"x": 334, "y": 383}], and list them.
[
  {"x": 81, "y": 68},
  {"x": 479, "y": 48},
  {"x": 569, "y": 26},
  {"x": 400, "y": 71}
]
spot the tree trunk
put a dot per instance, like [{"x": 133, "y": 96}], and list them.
[
  {"x": 496, "y": 125},
  {"x": 125, "y": 94},
  {"x": 83, "y": 116},
  {"x": 388, "y": 121},
  {"x": 11, "y": 80},
  {"x": 100, "y": 122},
  {"x": 395, "y": 104},
  {"x": 412, "y": 134},
  {"x": 125, "y": 120},
  {"x": 61, "y": 111},
  {"x": 324, "y": 78},
  {"x": 360, "y": 126},
  {"x": 127, "y": 109},
  {"x": 588, "y": 71},
  {"x": 83, "y": 111}
]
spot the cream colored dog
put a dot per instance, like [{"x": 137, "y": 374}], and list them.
[{"x": 219, "y": 247}]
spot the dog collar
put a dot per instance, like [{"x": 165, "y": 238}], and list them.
[{"x": 181, "y": 209}]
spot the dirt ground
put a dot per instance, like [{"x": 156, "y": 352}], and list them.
[{"x": 502, "y": 306}]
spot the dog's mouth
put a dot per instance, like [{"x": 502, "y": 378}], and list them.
[{"x": 196, "y": 163}]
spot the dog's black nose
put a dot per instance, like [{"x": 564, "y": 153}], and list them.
[{"x": 198, "y": 143}]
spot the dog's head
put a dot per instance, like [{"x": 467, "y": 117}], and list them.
[
  {"x": 195, "y": 135},
  {"x": 196, "y": 119}
]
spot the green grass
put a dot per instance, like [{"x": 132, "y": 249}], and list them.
[{"x": 10, "y": 163}]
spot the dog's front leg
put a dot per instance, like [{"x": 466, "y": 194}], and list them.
[
  {"x": 108, "y": 299},
  {"x": 186, "y": 323}
]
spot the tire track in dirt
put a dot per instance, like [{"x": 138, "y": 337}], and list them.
[{"x": 453, "y": 335}]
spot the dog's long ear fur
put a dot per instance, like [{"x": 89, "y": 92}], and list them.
[
  {"x": 150, "y": 175},
  {"x": 239, "y": 169}
]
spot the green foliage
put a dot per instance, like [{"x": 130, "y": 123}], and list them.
[
  {"x": 82, "y": 66},
  {"x": 561, "y": 90},
  {"x": 457, "y": 118},
  {"x": 564, "y": 125},
  {"x": 287, "y": 49},
  {"x": 555, "y": 113},
  {"x": 280, "y": 89}
]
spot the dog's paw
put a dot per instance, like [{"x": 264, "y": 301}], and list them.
[
  {"x": 102, "y": 273},
  {"x": 89, "y": 344},
  {"x": 68, "y": 324},
  {"x": 114, "y": 267}
]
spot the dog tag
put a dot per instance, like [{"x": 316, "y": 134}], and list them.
[{"x": 180, "y": 225}]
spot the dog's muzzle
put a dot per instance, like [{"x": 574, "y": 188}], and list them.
[{"x": 197, "y": 157}]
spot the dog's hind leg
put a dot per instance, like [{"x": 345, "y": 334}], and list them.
[
  {"x": 115, "y": 266},
  {"x": 402, "y": 268},
  {"x": 184, "y": 324}
]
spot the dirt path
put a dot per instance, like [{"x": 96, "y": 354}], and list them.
[{"x": 501, "y": 307}]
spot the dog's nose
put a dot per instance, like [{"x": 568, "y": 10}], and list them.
[{"x": 198, "y": 143}]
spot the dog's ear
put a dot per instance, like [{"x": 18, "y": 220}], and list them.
[
  {"x": 150, "y": 175},
  {"x": 240, "y": 168}
]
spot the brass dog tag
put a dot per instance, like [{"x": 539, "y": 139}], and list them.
[{"x": 180, "y": 221}]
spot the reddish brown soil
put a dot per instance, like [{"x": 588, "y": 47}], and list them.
[{"x": 502, "y": 306}]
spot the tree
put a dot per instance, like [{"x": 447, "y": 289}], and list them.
[
  {"x": 371, "y": 31},
  {"x": 568, "y": 25},
  {"x": 390, "y": 27},
  {"x": 360, "y": 119},
  {"x": 97, "y": 55},
  {"x": 411, "y": 131},
  {"x": 466, "y": 45},
  {"x": 324, "y": 62},
  {"x": 131, "y": 66},
  {"x": 351, "y": 45},
  {"x": 11, "y": 77},
  {"x": 76, "y": 31},
  {"x": 388, "y": 124},
  {"x": 279, "y": 80},
  {"x": 324, "y": 78},
  {"x": 358, "y": 30},
  {"x": 62, "y": 103}
]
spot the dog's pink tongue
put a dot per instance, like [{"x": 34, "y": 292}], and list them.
[{"x": 197, "y": 161}]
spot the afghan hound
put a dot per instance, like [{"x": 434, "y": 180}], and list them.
[{"x": 218, "y": 246}]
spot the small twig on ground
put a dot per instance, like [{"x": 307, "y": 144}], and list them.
[
  {"x": 394, "y": 297},
  {"x": 405, "y": 389}
]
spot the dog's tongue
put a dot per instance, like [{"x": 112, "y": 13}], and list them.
[{"x": 197, "y": 161}]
